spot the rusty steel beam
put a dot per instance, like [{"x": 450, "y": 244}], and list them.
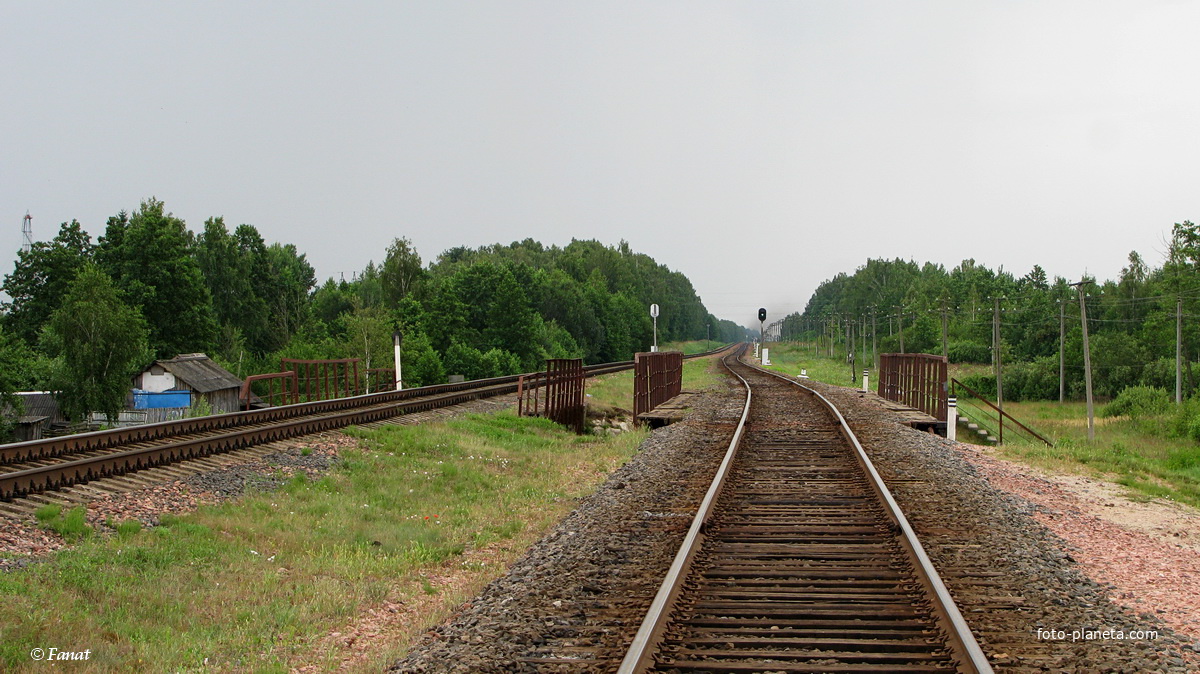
[
  {"x": 658, "y": 377},
  {"x": 918, "y": 380}
]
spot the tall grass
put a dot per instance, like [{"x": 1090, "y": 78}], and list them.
[
  {"x": 1144, "y": 454},
  {"x": 1155, "y": 451},
  {"x": 254, "y": 585},
  {"x": 611, "y": 393},
  {"x": 792, "y": 357}
]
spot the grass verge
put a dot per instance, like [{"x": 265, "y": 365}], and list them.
[
  {"x": 688, "y": 348},
  {"x": 1123, "y": 452},
  {"x": 611, "y": 393},
  {"x": 791, "y": 357},
  {"x": 256, "y": 585}
]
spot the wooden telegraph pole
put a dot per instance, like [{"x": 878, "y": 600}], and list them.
[
  {"x": 1178, "y": 350},
  {"x": 1062, "y": 341},
  {"x": 874, "y": 350},
  {"x": 862, "y": 338},
  {"x": 1087, "y": 361},
  {"x": 999, "y": 365},
  {"x": 945, "y": 332}
]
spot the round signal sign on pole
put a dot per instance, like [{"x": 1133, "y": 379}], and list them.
[{"x": 653, "y": 311}]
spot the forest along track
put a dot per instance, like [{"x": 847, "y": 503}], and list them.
[
  {"x": 31, "y": 468},
  {"x": 799, "y": 561}
]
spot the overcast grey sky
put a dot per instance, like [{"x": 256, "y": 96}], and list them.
[{"x": 759, "y": 148}]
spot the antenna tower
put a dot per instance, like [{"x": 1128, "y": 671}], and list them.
[{"x": 27, "y": 232}]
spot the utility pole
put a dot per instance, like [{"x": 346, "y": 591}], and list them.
[
  {"x": 862, "y": 338},
  {"x": 1178, "y": 350},
  {"x": 902, "y": 332},
  {"x": 945, "y": 332},
  {"x": 1062, "y": 343},
  {"x": 874, "y": 349},
  {"x": 1087, "y": 361},
  {"x": 999, "y": 369},
  {"x": 850, "y": 346}
]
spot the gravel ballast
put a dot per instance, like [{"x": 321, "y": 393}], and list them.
[
  {"x": 576, "y": 598},
  {"x": 1029, "y": 603}
]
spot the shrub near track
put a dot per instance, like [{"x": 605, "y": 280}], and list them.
[
  {"x": 1153, "y": 452},
  {"x": 257, "y": 584},
  {"x": 1143, "y": 454}
]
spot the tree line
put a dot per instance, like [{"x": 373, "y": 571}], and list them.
[
  {"x": 83, "y": 316},
  {"x": 926, "y": 308}
]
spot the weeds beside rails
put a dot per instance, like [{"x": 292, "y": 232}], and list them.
[
  {"x": 258, "y": 584},
  {"x": 1152, "y": 454},
  {"x": 1146, "y": 442}
]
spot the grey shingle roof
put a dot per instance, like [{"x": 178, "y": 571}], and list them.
[{"x": 199, "y": 372}]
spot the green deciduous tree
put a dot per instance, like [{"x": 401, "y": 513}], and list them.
[
  {"x": 368, "y": 335},
  {"x": 98, "y": 342},
  {"x": 40, "y": 279},
  {"x": 400, "y": 271},
  {"x": 422, "y": 366},
  {"x": 149, "y": 257}
]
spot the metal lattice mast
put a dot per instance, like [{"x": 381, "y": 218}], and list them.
[{"x": 27, "y": 233}]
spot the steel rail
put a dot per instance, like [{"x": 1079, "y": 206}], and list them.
[
  {"x": 962, "y": 644},
  {"x": 645, "y": 642},
  {"x": 105, "y": 439},
  {"x": 245, "y": 429},
  {"x": 962, "y": 641},
  {"x": 108, "y": 439}
]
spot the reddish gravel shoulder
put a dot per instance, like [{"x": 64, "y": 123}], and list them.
[
  {"x": 1022, "y": 571},
  {"x": 1152, "y": 573}
]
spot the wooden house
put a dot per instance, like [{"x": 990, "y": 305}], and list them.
[{"x": 197, "y": 374}]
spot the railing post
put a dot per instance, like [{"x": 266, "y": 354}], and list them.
[{"x": 952, "y": 419}]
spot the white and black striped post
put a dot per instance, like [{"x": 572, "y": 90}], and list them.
[
  {"x": 952, "y": 419},
  {"x": 866, "y": 381}
]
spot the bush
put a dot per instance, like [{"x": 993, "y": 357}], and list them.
[
  {"x": 499, "y": 363},
  {"x": 1186, "y": 416},
  {"x": 968, "y": 352},
  {"x": 1037, "y": 380},
  {"x": 983, "y": 384},
  {"x": 1139, "y": 402},
  {"x": 465, "y": 360},
  {"x": 1160, "y": 373}
]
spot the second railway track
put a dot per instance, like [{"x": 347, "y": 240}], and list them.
[
  {"x": 46, "y": 465},
  {"x": 800, "y": 561}
]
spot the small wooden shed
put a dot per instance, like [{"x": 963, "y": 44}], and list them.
[{"x": 194, "y": 372}]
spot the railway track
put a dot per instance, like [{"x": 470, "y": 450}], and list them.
[
  {"x": 799, "y": 560},
  {"x": 46, "y": 465}
]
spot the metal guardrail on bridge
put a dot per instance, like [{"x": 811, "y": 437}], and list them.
[
  {"x": 657, "y": 377},
  {"x": 914, "y": 379},
  {"x": 990, "y": 417}
]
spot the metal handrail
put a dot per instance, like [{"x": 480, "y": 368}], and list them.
[{"x": 1002, "y": 414}]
